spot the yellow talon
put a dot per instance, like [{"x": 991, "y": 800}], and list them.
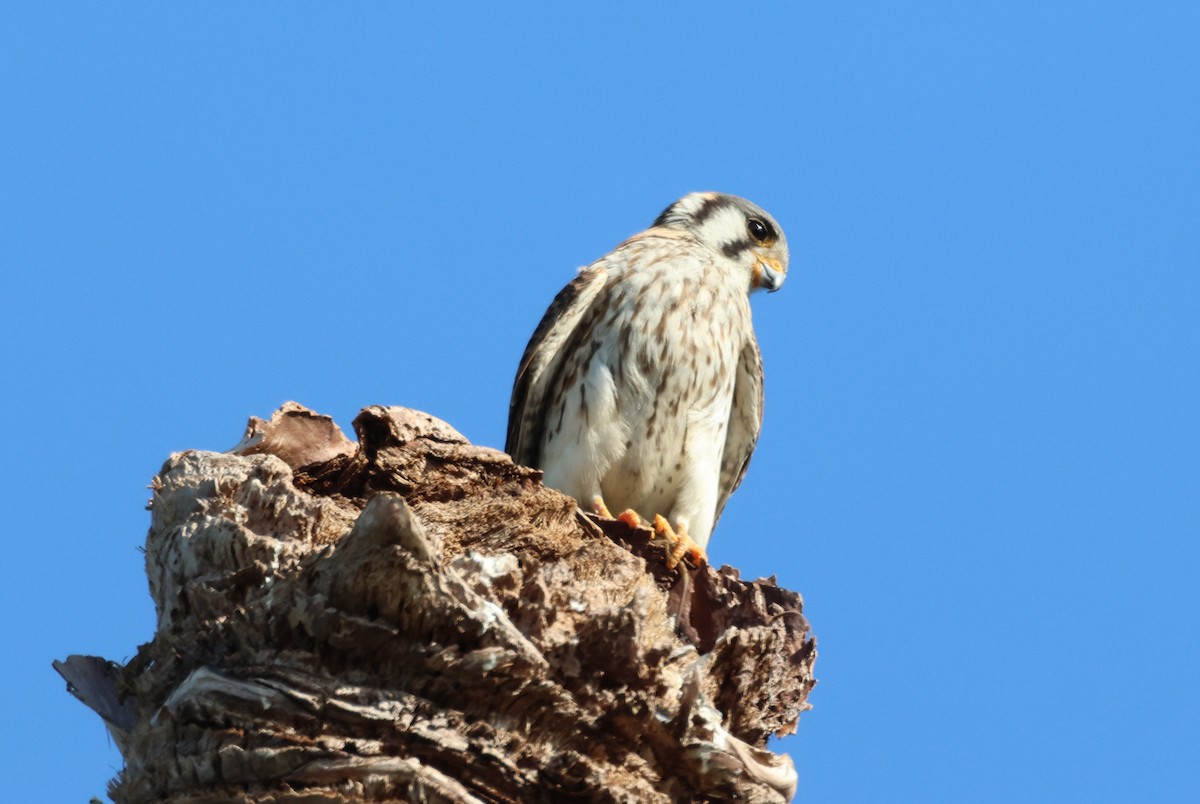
[
  {"x": 630, "y": 517},
  {"x": 600, "y": 508},
  {"x": 679, "y": 543}
]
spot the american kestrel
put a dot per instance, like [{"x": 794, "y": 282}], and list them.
[{"x": 642, "y": 387}]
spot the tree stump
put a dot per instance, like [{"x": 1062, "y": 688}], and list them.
[{"x": 411, "y": 617}]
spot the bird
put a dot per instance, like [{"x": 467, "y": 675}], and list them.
[{"x": 641, "y": 389}]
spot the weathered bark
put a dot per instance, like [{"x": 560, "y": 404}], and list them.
[{"x": 415, "y": 618}]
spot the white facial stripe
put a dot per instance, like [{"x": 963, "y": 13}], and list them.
[{"x": 720, "y": 221}]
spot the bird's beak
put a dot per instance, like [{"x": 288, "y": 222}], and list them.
[{"x": 769, "y": 274}]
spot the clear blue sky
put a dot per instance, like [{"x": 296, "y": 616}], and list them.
[{"x": 981, "y": 457}]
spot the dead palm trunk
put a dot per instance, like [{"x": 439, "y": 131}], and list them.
[{"x": 415, "y": 618}]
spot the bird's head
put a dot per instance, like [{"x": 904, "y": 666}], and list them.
[{"x": 736, "y": 229}]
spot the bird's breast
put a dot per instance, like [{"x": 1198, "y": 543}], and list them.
[{"x": 672, "y": 352}]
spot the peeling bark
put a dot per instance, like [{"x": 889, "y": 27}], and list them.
[{"x": 416, "y": 618}]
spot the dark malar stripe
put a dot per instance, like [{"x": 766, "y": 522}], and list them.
[{"x": 735, "y": 248}]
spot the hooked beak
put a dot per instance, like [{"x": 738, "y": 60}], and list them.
[{"x": 769, "y": 274}]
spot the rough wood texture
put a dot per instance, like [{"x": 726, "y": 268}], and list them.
[{"x": 417, "y": 618}]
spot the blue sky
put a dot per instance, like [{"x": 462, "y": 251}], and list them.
[{"x": 981, "y": 457}]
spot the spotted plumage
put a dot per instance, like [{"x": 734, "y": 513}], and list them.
[{"x": 641, "y": 388}]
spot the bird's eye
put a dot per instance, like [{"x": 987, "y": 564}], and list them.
[{"x": 759, "y": 231}]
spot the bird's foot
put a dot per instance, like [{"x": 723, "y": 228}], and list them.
[
  {"x": 679, "y": 545},
  {"x": 629, "y": 516},
  {"x": 599, "y": 508}
]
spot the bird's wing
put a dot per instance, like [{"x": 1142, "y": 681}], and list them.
[
  {"x": 542, "y": 363},
  {"x": 745, "y": 420}
]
